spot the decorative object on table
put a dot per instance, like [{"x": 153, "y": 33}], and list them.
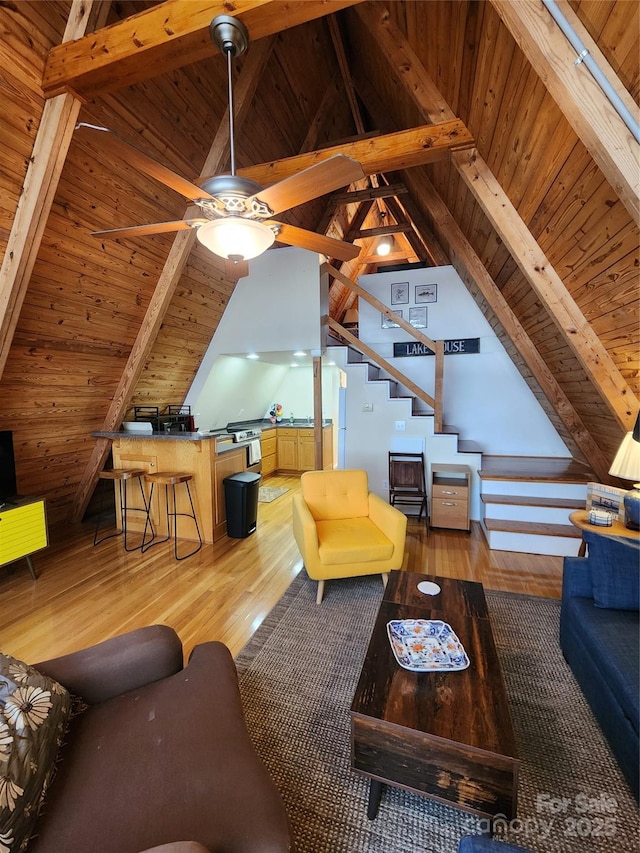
[
  {"x": 426, "y": 645},
  {"x": 600, "y": 517},
  {"x": 626, "y": 465},
  {"x": 607, "y": 498}
]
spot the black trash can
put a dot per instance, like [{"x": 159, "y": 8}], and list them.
[{"x": 241, "y": 501}]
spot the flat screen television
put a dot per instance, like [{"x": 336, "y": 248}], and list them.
[{"x": 8, "y": 485}]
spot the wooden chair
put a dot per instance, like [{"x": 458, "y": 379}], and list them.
[{"x": 407, "y": 482}]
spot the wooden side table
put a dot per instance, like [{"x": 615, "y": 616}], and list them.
[
  {"x": 23, "y": 530},
  {"x": 580, "y": 519}
]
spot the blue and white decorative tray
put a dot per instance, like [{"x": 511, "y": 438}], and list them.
[{"x": 426, "y": 645}]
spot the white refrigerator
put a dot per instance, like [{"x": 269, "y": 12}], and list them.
[{"x": 342, "y": 427}]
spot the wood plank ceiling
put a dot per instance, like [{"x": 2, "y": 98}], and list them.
[{"x": 537, "y": 214}]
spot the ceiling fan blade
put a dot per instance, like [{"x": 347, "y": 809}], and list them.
[
  {"x": 332, "y": 248},
  {"x": 123, "y": 150},
  {"x": 319, "y": 179},
  {"x": 154, "y": 228}
]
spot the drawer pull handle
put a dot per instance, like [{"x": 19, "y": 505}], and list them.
[
  {"x": 449, "y": 503},
  {"x": 449, "y": 493}
]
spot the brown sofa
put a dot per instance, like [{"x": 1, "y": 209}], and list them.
[{"x": 159, "y": 758}]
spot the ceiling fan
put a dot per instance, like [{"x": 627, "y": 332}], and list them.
[{"x": 237, "y": 213}]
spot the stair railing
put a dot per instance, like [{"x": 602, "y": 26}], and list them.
[{"x": 437, "y": 347}]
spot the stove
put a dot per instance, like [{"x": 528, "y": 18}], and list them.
[{"x": 246, "y": 434}]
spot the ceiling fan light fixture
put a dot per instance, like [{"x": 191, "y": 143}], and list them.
[{"x": 235, "y": 238}]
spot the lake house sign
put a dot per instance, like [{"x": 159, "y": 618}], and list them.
[{"x": 458, "y": 345}]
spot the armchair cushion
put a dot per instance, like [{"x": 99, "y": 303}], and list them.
[
  {"x": 34, "y": 711},
  {"x": 351, "y": 540},
  {"x": 341, "y": 494}
]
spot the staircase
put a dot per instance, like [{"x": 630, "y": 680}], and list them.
[
  {"x": 523, "y": 503},
  {"x": 527, "y": 503}
]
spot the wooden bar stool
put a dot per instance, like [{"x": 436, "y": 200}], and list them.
[
  {"x": 172, "y": 479},
  {"x": 121, "y": 476}
]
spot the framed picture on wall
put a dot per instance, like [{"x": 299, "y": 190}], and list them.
[
  {"x": 389, "y": 324},
  {"x": 418, "y": 317},
  {"x": 400, "y": 293},
  {"x": 426, "y": 293}
]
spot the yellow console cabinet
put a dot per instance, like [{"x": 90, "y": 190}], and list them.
[{"x": 23, "y": 530}]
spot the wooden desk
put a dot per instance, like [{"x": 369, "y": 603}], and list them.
[{"x": 580, "y": 519}]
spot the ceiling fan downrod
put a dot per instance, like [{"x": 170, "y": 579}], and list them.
[{"x": 231, "y": 37}]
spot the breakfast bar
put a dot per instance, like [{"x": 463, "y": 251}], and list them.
[{"x": 208, "y": 457}]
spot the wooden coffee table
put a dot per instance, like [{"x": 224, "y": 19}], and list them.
[{"x": 446, "y": 735}]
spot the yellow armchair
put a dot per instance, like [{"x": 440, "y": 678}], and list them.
[{"x": 344, "y": 530}]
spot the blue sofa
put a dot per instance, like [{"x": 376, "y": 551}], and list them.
[{"x": 599, "y": 637}]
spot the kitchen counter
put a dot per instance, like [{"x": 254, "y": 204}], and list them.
[{"x": 192, "y": 453}]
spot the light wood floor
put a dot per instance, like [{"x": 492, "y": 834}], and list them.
[{"x": 85, "y": 594}]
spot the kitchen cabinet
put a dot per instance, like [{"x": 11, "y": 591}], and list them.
[
  {"x": 269, "y": 451},
  {"x": 23, "y": 530},
  {"x": 450, "y": 486},
  {"x": 287, "y": 449},
  {"x": 296, "y": 448}
]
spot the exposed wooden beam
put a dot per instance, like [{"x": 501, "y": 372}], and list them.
[
  {"x": 382, "y": 230},
  {"x": 343, "y": 65},
  {"x": 548, "y": 285},
  {"x": 383, "y": 191},
  {"x": 168, "y": 280},
  {"x": 471, "y": 270},
  {"x": 402, "y": 59},
  {"x": 433, "y": 251},
  {"x": 400, "y": 150},
  {"x": 165, "y": 37},
  {"x": 585, "y": 106},
  {"x": 49, "y": 153}
]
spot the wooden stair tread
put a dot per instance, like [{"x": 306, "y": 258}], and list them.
[
  {"x": 535, "y": 468},
  {"x": 535, "y": 528},
  {"x": 528, "y": 500}
]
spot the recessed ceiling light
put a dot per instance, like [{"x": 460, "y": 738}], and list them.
[
  {"x": 253, "y": 355},
  {"x": 299, "y": 353},
  {"x": 293, "y": 364}
]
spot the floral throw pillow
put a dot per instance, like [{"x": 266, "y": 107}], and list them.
[{"x": 34, "y": 711}]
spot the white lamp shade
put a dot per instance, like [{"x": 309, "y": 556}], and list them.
[
  {"x": 626, "y": 464},
  {"x": 384, "y": 246},
  {"x": 235, "y": 238}
]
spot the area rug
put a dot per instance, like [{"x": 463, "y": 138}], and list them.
[
  {"x": 266, "y": 494},
  {"x": 298, "y": 675}
]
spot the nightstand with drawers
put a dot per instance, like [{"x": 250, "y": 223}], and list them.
[{"x": 450, "y": 494}]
